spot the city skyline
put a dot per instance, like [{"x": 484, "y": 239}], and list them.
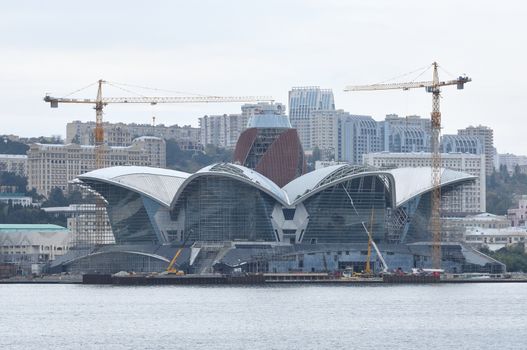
[{"x": 228, "y": 52}]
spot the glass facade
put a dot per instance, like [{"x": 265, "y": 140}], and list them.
[
  {"x": 127, "y": 214},
  {"x": 333, "y": 218},
  {"x": 218, "y": 208}
]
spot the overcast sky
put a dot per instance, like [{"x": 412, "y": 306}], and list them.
[{"x": 264, "y": 48}]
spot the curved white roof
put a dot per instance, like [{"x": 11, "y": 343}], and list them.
[
  {"x": 159, "y": 184},
  {"x": 165, "y": 186},
  {"x": 410, "y": 182},
  {"x": 305, "y": 183},
  {"x": 241, "y": 173}
]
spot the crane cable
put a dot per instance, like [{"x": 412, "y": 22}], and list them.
[
  {"x": 79, "y": 90},
  {"x": 161, "y": 90},
  {"x": 423, "y": 69},
  {"x": 379, "y": 255}
]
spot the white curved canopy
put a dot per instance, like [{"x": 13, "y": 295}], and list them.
[
  {"x": 411, "y": 182},
  {"x": 165, "y": 186},
  {"x": 159, "y": 184},
  {"x": 242, "y": 174}
]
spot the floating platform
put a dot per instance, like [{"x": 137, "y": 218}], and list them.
[
  {"x": 139, "y": 280},
  {"x": 283, "y": 278}
]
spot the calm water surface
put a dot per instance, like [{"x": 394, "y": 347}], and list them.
[{"x": 472, "y": 316}]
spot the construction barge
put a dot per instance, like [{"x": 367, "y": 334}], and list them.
[{"x": 280, "y": 278}]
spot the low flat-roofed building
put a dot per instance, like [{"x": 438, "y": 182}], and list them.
[
  {"x": 14, "y": 163},
  {"x": 27, "y": 244},
  {"x": 16, "y": 199},
  {"x": 454, "y": 227},
  {"x": 495, "y": 239}
]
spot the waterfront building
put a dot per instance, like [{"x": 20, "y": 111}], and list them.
[
  {"x": 486, "y": 137},
  {"x": 270, "y": 146},
  {"x": 303, "y": 101},
  {"x": 14, "y": 163},
  {"x": 54, "y": 165},
  {"x": 122, "y": 134},
  {"x": 29, "y": 246},
  {"x": 228, "y": 217},
  {"x": 469, "y": 198}
]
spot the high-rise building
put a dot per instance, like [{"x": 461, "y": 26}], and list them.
[
  {"x": 342, "y": 136},
  {"x": 122, "y": 135},
  {"x": 469, "y": 198},
  {"x": 302, "y": 102},
  {"x": 358, "y": 135},
  {"x": 461, "y": 144},
  {"x": 405, "y": 134},
  {"x": 222, "y": 130},
  {"x": 325, "y": 132},
  {"x": 54, "y": 165},
  {"x": 270, "y": 146},
  {"x": 486, "y": 137}
]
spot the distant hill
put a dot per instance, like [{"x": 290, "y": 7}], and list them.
[{"x": 12, "y": 147}]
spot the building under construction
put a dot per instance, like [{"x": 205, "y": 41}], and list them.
[{"x": 230, "y": 218}]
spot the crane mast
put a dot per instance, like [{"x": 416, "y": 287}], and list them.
[
  {"x": 435, "y": 215},
  {"x": 100, "y": 102},
  {"x": 432, "y": 87}
]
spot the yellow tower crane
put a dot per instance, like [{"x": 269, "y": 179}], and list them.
[
  {"x": 100, "y": 102},
  {"x": 432, "y": 87}
]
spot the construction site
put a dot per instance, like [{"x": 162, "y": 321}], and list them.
[{"x": 228, "y": 219}]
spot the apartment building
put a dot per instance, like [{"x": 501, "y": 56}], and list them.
[{"x": 54, "y": 165}]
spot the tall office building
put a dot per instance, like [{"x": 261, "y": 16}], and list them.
[
  {"x": 54, "y": 165},
  {"x": 486, "y": 137},
  {"x": 468, "y": 198},
  {"x": 302, "y": 102}
]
